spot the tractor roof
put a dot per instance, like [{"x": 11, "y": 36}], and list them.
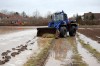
[{"x": 59, "y": 13}]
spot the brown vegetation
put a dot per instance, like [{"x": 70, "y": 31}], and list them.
[
  {"x": 90, "y": 22},
  {"x": 17, "y": 19},
  {"x": 41, "y": 57}
]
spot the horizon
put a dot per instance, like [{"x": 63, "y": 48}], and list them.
[{"x": 70, "y": 7}]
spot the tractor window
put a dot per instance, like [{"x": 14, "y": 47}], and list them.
[
  {"x": 65, "y": 16},
  {"x": 58, "y": 17}
]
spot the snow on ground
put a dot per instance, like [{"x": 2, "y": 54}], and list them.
[
  {"x": 98, "y": 37},
  {"x": 90, "y": 28},
  {"x": 86, "y": 28},
  {"x": 89, "y": 41},
  {"x": 81, "y": 28},
  {"x": 12, "y": 40},
  {"x": 86, "y": 56},
  {"x": 20, "y": 59}
]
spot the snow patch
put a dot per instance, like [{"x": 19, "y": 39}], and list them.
[
  {"x": 20, "y": 59},
  {"x": 86, "y": 56},
  {"x": 89, "y": 41},
  {"x": 98, "y": 37}
]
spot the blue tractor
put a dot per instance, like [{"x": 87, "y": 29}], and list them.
[{"x": 59, "y": 26}]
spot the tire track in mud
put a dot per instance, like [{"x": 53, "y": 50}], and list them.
[
  {"x": 86, "y": 56},
  {"x": 60, "y": 53},
  {"x": 90, "y": 55},
  {"x": 64, "y": 53},
  {"x": 44, "y": 44},
  {"x": 76, "y": 58}
]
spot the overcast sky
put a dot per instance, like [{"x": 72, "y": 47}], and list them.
[{"x": 43, "y": 6}]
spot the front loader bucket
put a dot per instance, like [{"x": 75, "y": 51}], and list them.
[{"x": 42, "y": 31}]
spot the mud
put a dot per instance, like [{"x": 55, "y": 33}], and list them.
[
  {"x": 60, "y": 54},
  {"x": 44, "y": 44},
  {"x": 93, "y": 33}
]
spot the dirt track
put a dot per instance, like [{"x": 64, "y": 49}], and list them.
[{"x": 64, "y": 53}]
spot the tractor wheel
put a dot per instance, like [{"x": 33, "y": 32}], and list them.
[
  {"x": 72, "y": 31},
  {"x": 63, "y": 32}
]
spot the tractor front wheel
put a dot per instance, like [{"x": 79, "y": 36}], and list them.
[{"x": 63, "y": 32}]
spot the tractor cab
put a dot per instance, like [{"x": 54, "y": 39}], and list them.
[
  {"x": 58, "y": 19},
  {"x": 59, "y": 16}
]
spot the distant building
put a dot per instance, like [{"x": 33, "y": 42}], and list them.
[{"x": 91, "y": 16}]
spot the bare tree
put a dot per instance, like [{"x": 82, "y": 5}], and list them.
[
  {"x": 49, "y": 14},
  {"x": 36, "y": 14},
  {"x": 23, "y": 14},
  {"x": 4, "y": 11}
]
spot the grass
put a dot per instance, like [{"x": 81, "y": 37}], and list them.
[
  {"x": 77, "y": 59},
  {"x": 93, "y": 51},
  {"x": 41, "y": 57}
]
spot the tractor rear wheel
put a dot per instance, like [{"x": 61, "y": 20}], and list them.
[
  {"x": 72, "y": 31},
  {"x": 63, "y": 32}
]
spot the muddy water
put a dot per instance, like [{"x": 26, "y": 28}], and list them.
[{"x": 60, "y": 54}]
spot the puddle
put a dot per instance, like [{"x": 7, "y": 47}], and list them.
[
  {"x": 86, "y": 56},
  {"x": 59, "y": 60},
  {"x": 60, "y": 54}
]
